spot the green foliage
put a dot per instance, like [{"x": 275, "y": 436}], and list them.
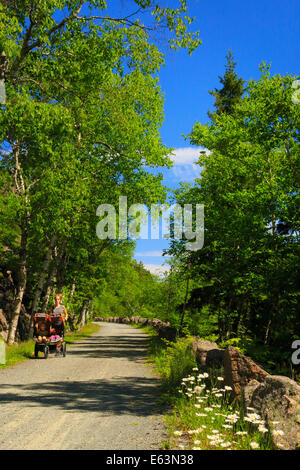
[
  {"x": 235, "y": 342},
  {"x": 229, "y": 96},
  {"x": 128, "y": 290},
  {"x": 79, "y": 128},
  {"x": 201, "y": 406},
  {"x": 173, "y": 360},
  {"x": 246, "y": 277}
]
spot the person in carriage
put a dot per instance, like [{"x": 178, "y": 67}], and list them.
[{"x": 58, "y": 317}]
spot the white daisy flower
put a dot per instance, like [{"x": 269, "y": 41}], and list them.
[
  {"x": 214, "y": 443},
  {"x": 262, "y": 429},
  {"x": 231, "y": 419},
  {"x": 225, "y": 444},
  {"x": 277, "y": 432}
]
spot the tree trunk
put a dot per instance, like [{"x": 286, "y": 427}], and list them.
[
  {"x": 50, "y": 282},
  {"x": 87, "y": 313},
  {"x": 267, "y": 334},
  {"x": 185, "y": 301},
  {"x": 20, "y": 191},
  {"x": 61, "y": 266},
  {"x": 169, "y": 301},
  {"x": 91, "y": 312},
  {"x": 41, "y": 281},
  {"x": 81, "y": 320},
  {"x": 220, "y": 325},
  {"x": 22, "y": 278},
  {"x": 72, "y": 292},
  {"x": 56, "y": 255}
]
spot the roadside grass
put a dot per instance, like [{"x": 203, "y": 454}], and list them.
[
  {"x": 23, "y": 351},
  {"x": 18, "y": 352},
  {"x": 200, "y": 412},
  {"x": 205, "y": 418}
]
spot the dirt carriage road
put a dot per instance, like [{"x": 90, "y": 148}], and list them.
[{"x": 101, "y": 396}]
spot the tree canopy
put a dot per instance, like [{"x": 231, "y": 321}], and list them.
[{"x": 80, "y": 126}]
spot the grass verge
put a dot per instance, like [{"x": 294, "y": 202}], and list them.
[
  {"x": 23, "y": 351},
  {"x": 201, "y": 415}
]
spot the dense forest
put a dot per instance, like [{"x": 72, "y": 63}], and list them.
[
  {"x": 80, "y": 126},
  {"x": 244, "y": 284}
]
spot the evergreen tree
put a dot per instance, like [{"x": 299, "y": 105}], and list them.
[{"x": 227, "y": 97}]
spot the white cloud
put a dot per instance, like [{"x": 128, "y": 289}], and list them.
[
  {"x": 184, "y": 159},
  {"x": 186, "y": 172},
  {"x": 157, "y": 269},
  {"x": 149, "y": 253},
  {"x": 186, "y": 155}
]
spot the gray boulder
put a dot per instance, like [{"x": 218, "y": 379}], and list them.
[
  {"x": 239, "y": 370},
  {"x": 277, "y": 401},
  {"x": 167, "y": 332},
  {"x": 206, "y": 353}
]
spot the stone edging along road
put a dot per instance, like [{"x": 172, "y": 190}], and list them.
[{"x": 100, "y": 396}]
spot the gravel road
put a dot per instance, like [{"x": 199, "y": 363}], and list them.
[{"x": 100, "y": 396}]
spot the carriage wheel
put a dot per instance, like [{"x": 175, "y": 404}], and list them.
[
  {"x": 64, "y": 349},
  {"x": 36, "y": 350}
]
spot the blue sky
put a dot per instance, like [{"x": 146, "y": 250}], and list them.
[{"x": 256, "y": 31}]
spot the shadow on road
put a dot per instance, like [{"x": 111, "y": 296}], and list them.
[
  {"x": 116, "y": 395},
  {"x": 130, "y": 347},
  {"x": 129, "y": 395}
]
